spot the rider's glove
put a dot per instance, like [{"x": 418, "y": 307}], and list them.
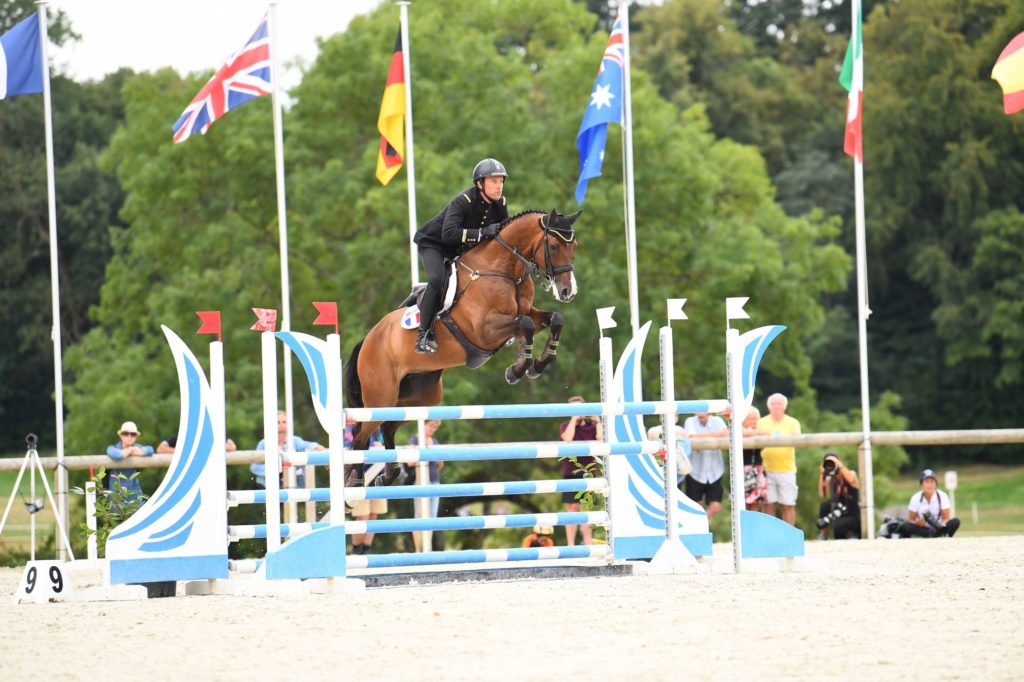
[{"x": 489, "y": 231}]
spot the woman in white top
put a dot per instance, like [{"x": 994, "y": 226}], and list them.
[{"x": 929, "y": 511}]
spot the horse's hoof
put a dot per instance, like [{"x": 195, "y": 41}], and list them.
[
  {"x": 532, "y": 373},
  {"x": 510, "y": 376}
]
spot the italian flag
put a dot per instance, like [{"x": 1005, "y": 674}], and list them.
[{"x": 852, "y": 78}]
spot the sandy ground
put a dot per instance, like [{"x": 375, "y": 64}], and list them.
[{"x": 888, "y": 610}]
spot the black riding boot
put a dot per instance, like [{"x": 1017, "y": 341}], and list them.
[{"x": 426, "y": 342}]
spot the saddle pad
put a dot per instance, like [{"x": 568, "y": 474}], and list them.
[{"x": 411, "y": 316}]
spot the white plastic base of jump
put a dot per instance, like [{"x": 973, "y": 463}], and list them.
[{"x": 672, "y": 558}]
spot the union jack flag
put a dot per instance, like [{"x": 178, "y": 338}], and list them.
[
  {"x": 244, "y": 76},
  {"x": 615, "y": 49}
]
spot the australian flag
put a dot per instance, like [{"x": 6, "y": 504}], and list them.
[
  {"x": 605, "y": 107},
  {"x": 245, "y": 76}
]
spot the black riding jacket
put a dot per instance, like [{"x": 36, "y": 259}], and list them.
[{"x": 457, "y": 227}]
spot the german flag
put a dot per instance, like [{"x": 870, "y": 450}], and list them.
[
  {"x": 1009, "y": 73},
  {"x": 391, "y": 120}
]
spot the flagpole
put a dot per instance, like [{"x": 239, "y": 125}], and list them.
[
  {"x": 423, "y": 468},
  {"x": 410, "y": 166},
  {"x": 627, "y": 128},
  {"x": 60, "y": 476},
  {"x": 282, "y": 224},
  {"x": 863, "y": 311}
]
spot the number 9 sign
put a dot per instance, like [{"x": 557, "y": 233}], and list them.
[{"x": 42, "y": 582}]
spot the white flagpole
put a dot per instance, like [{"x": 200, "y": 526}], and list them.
[
  {"x": 282, "y": 225},
  {"x": 60, "y": 476},
  {"x": 423, "y": 468},
  {"x": 410, "y": 167},
  {"x": 627, "y": 148},
  {"x": 863, "y": 311}
]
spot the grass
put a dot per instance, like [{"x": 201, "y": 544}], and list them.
[{"x": 998, "y": 493}]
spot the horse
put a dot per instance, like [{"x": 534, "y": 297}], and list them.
[{"x": 493, "y": 307}]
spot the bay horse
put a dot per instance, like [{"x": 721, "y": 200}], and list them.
[{"x": 493, "y": 306}]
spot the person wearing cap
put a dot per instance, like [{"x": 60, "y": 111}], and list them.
[
  {"x": 578, "y": 428},
  {"x": 127, "y": 446},
  {"x": 473, "y": 216},
  {"x": 929, "y": 511}
]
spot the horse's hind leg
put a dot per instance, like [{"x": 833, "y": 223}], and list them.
[
  {"x": 394, "y": 472},
  {"x": 524, "y": 362},
  {"x": 555, "y": 321}
]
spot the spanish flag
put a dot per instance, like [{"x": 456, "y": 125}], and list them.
[
  {"x": 391, "y": 120},
  {"x": 1009, "y": 73}
]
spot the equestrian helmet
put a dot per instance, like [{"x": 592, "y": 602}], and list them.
[{"x": 488, "y": 168}]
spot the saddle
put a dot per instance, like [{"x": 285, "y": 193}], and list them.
[{"x": 475, "y": 356}]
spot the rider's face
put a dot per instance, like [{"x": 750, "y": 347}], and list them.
[{"x": 493, "y": 186}]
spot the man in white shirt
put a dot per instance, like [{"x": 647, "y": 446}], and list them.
[
  {"x": 929, "y": 511},
  {"x": 704, "y": 482}
]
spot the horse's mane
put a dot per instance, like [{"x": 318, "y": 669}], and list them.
[{"x": 521, "y": 214}]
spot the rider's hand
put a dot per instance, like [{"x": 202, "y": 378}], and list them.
[{"x": 489, "y": 231}]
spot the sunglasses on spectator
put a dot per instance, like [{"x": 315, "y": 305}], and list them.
[{"x": 129, "y": 433}]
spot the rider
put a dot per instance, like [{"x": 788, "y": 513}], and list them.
[{"x": 471, "y": 217}]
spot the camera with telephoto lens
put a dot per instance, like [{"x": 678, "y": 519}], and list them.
[
  {"x": 829, "y": 468},
  {"x": 935, "y": 523},
  {"x": 32, "y": 440},
  {"x": 838, "y": 509}
]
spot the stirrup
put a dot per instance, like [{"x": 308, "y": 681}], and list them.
[{"x": 426, "y": 342}]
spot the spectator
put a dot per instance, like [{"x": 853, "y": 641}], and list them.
[
  {"x": 755, "y": 485},
  {"x": 298, "y": 445},
  {"x": 841, "y": 512},
  {"x": 929, "y": 511},
  {"x": 124, "y": 448},
  {"x": 540, "y": 537},
  {"x": 683, "y": 465},
  {"x": 368, "y": 510},
  {"x": 704, "y": 483},
  {"x": 166, "y": 447},
  {"x": 578, "y": 428},
  {"x": 780, "y": 462}
]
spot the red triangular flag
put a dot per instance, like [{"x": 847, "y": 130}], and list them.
[
  {"x": 266, "y": 320},
  {"x": 211, "y": 322},
  {"x": 327, "y": 313}
]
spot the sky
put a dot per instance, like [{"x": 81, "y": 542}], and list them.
[{"x": 192, "y": 35}]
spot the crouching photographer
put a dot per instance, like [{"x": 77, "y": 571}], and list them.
[
  {"x": 841, "y": 512},
  {"x": 929, "y": 511}
]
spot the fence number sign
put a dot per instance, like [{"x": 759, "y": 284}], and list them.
[{"x": 42, "y": 582}]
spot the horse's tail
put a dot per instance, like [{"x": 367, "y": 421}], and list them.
[{"x": 353, "y": 389}]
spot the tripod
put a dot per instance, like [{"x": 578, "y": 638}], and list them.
[{"x": 32, "y": 461}]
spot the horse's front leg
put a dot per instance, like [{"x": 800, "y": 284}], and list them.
[
  {"x": 524, "y": 363},
  {"x": 548, "y": 356}
]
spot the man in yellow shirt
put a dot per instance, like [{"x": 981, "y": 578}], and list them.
[{"x": 780, "y": 463}]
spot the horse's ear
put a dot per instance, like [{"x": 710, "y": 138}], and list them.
[
  {"x": 570, "y": 219},
  {"x": 552, "y": 218}
]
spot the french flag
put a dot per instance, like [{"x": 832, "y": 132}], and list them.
[{"x": 21, "y": 59}]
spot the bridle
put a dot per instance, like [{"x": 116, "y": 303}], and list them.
[{"x": 532, "y": 267}]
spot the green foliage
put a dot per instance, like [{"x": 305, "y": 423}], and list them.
[{"x": 114, "y": 506}]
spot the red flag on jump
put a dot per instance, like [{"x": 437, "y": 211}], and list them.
[
  {"x": 327, "y": 313},
  {"x": 211, "y": 322},
  {"x": 266, "y": 320}
]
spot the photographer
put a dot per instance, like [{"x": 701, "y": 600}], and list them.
[
  {"x": 578, "y": 428},
  {"x": 929, "y": 511},
  {"x": 841, "y": 512}
]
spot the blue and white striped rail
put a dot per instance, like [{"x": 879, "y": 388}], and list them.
[
  {"x": 405, "y": 492},
  {"x": 478, "y": 556},
  {"x": 469, "y": 453},
  {"x": 433, "y": 524},
  {"x": 465, "y": 556},
  {"x": 399, "y": 414}
]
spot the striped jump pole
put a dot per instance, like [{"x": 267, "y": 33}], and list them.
[{"x": 533, "y": 411}]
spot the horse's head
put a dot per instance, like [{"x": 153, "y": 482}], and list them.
[{"x": 555, "y": 258}]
